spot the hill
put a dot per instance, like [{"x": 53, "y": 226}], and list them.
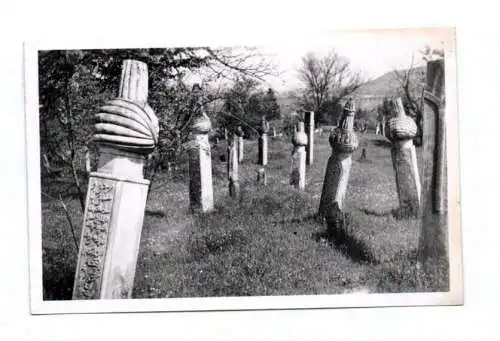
[{"x": 389, "y": 83}]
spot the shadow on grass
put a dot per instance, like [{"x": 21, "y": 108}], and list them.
[
  {"x": 308, "y": 218},
  {"x": 350, "y": 247},
  {"x": 58, "y": 275},
  {"x": 154, "y": 213},
  {"x": 398, "y": 213},
  {"x": 382, "y": 143},
  {"x": 377, "y": 213}
]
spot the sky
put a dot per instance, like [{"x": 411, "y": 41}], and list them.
[{"x": 373, "y": 53}]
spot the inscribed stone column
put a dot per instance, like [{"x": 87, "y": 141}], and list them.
[
  {"x": 201, "y": 192},
  {"x": 232, "y": 168},
  {"x": 434, "y": 188},
  {"x": 309, "y": 122},
  {"x": 126, "y": 132},
  {"x": 264, "y": 128},
  {"x": 344, "y": 142},
  {"x": 240, "y": 148},
  {"x": 402, "y": 130},
  {"x": 298, "y": 173}
]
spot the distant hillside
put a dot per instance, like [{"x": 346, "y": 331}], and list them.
[
  {"x": 389, "y": 84},
  {"x": 369, "y": 96}
]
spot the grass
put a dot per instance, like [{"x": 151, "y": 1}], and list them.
[{"x": 267, "y": 242}]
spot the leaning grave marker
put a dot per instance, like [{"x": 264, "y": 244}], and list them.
[{"x": 126, "y": 132}]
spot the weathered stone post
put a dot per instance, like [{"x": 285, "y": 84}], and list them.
[
  {"x": 298, "y": 173},
  {"x": 126, "y": 132},
  {"x": 309, "y": 123},
  {"x": 402, "y": 130},
  {"x": 201, "y": 192},
  {"x": 433, "y": 243},
  {"x": 264, "y": 128},
  {"x": 88, "y": 164},
  {"x": 344, "y": 142},
  {"x": 382, "y": 125},
  {"x": 241, "y": 147},
  {"x": 232, "y": 167}
]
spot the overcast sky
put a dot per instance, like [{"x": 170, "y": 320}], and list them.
[{"x": 373, "y": 53}]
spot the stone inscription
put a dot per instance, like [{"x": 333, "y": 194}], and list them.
[{"x": 95, "y": 237}]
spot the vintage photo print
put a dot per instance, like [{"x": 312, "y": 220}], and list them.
[{"x": 320, "y": 173}]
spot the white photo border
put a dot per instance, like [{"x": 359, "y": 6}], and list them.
[{"x": 354, "y": 300}]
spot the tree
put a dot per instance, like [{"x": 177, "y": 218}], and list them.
[
  {"x": 270, "y": 106},
  {"x": 326, "y": 82},
  {"x": 411, "y": 82},
  {"x": 73, "y": 83}
]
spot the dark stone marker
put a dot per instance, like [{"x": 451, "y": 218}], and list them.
[{"x": 432, "y": 244}]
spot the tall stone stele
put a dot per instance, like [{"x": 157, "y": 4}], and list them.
[
  {"x": 263, "y": 130},
  {"x": 309, "y": 125},
  {"x": 298, "y": 172},
  {"x": 402, "y": 131},
  {"x": 241, "y": 148},
  {"x": 433, "y": 243},
  {"x": 232, "y": 167},
  {"x": 126, "y": 132},
  {"x": 201, "y": 192},
  {"x": 344, "y": 142}
]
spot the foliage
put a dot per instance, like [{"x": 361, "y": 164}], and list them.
[
  {"x": 245, "y": 104},
  {"x": 73, "y": 83}
]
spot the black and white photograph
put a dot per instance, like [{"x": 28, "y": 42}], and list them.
[{"x": 322, "y": 173}]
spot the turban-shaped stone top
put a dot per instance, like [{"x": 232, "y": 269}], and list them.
[
  {"x": 264, "y": 126},
  {"x": 402, "y": 128},
  {"x": 127, "y": 125},
  {"x": 300, "y": 138},
  {"x": 344, "y": 141}
]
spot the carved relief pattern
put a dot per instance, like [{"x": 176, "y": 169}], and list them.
[{"x": 95, "y": 237}]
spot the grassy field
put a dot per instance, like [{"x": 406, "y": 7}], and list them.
[{"x": 266, "y": 243}]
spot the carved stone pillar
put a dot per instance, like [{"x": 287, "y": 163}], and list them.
[
  {"x": 402, "y": 130},
  {"x": 201, "y": 192},
  {"x": 434, "y": 188},
  {"x": 232, "y": 168},
  {"x": 126, "y": 132},
  {"x": 241, "y": 148},
  {"x": 309, "y": 125},
  {"x": 263, "y": 130},
  {"x": 344, "y": 142},
  {"x": 298, "y": 173}
]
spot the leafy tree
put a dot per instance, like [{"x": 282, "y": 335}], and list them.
[
  {"x": 73, "y": 83},
  {"x": 270, "y": 106}
]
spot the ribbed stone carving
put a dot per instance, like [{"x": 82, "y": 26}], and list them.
[
  {"x": 343, "y": 141},
  {"x": 127, "y": 125},
  {"x": 126, "y": 130},
  {"x": 402, "y": 129}
]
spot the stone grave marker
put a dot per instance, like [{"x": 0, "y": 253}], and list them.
[
  {"x": 432, "y": 244},
  {"x": 201, "y": 192},
  {"x": 232, "y": 167},
  {"x": 344, "y": 142},
  {"x": 402, "y": 130},
  {"x": 309, "y": 125},
  {"x": 298, "y": 167},
  {"x": 125, "y": 133}
]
